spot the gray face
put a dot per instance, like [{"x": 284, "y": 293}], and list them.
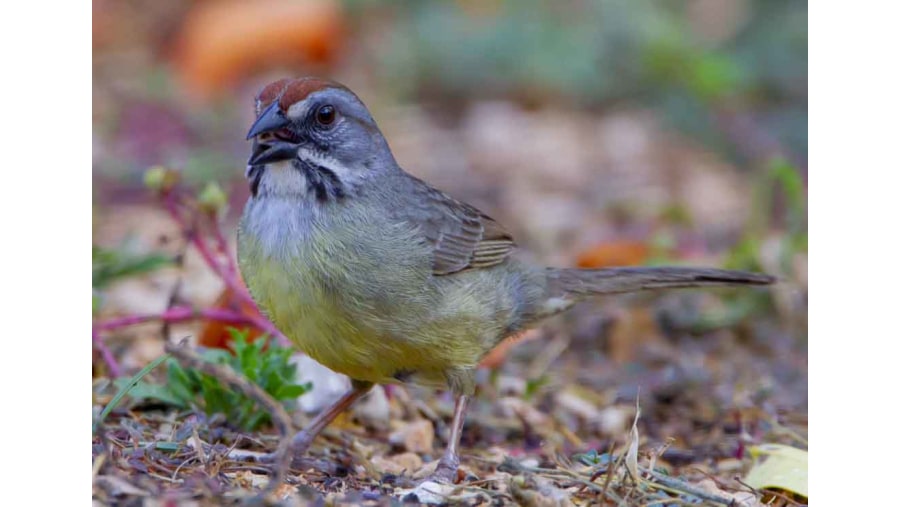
[
  {"x": 335, "y": 123},
  {"x": 329, "y": 137}
]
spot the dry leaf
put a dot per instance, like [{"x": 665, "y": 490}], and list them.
[
  {"x": 215, "y": 334},
  {"x": 545, "y": 494},
  {"x": 407, "y": 462},
  {"x": 618, "y": 253},
  {"x": 417, "y": 436}
]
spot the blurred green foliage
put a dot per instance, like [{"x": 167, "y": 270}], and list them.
[
  {"x": 110, "y": 265},
  {"x": 779, "y": 203},
  {"x": 777, "y": 223},
  {"x": 672, "y": 56}
]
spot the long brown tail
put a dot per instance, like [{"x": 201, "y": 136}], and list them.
[
  {"x": 567, "y": 286},
  {"x": 581, "y": 283}
]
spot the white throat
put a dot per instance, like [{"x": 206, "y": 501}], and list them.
[{"x": 281, "y": 178}]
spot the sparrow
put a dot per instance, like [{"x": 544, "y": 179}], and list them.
[{"x": 378, "y": 275}]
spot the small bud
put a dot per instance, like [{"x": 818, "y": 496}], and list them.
[
  {"x": 212, "y": 198},
  {"x": 160, "y": 179}
]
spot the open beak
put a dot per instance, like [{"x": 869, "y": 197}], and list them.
[
  {"x": 273, "y": 149},
  {"x": 270, "y": 120}
]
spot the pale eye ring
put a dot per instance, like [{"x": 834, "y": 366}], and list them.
[{"x": 326, "y": 114}]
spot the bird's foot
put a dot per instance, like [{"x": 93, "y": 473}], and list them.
[
  {"x": 437, "y": 487},
  {"x": 446, "y": 471}
]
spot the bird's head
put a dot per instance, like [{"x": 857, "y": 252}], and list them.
[{"x": 315, "y": 137}]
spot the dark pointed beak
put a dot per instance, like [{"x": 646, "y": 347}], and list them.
[
  {"x": 272, "y": 151},
  {"x": 270, "y": 120}
]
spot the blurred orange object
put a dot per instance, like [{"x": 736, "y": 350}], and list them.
[
  {"x": 215, "y": 334},
  {"x": 222, "y": 41},
  {"x": 498, "y": 354},
  {"x": 619, "y": 253}
]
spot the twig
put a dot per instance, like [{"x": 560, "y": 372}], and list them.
[
  {"x": 510, "y": 465},
  {"x": 608, "y": 481},
  {"x": 281, "y": 458},
  {"x": 683, "y": 487},
  {"x": 174, "y": 294},
  {"x": 222, "y": 246}
]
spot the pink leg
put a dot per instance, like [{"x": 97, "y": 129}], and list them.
[
  {"x": 303, "y": 439},
  {"x": 449, "y": 463}
]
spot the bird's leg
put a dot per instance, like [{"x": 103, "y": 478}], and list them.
[
  {"x": 449, "y": 462},
  {"x": 303, "y": 439}
]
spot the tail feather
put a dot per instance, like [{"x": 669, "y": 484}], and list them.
[
  {"x": 567, "y": 286},
  {"x": 586, "y": 282}
]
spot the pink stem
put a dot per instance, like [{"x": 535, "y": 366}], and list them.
[
  {"x": 100, "y": 345},
  {"x": 200, "y": 244},
  {"x": 222, "y": 245},
  {"x": 184, "y": 313},
  {"x": 180, "y": 314}
]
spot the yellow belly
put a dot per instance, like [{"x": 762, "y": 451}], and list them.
[
  {"x": 366, "y": 304},
  {"x": 364, "y": 337}
]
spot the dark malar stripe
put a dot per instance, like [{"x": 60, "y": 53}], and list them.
[
  {"x": 322, "y": 181},
  {"x": 337, "y": 188},
  {"x": 255, "y": 174}
]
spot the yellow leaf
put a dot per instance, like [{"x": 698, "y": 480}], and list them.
[{"x": 779, "y": 466}]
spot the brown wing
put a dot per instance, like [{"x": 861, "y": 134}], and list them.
[{"x": 462, "y": 236}]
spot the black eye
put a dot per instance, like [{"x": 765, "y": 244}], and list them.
[{"x": 326, "y": 114}]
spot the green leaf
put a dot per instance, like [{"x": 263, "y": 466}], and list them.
[
  {"x": 292, "y": 391},
  {"x": 145, "y": 390},
  {"x": 132, "y": 383},
  {"x": 779, "y": 466}
]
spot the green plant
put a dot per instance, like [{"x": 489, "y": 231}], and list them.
[
  {"x": 110, "y": 265},
  {"x": 261, "y": 362}
]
